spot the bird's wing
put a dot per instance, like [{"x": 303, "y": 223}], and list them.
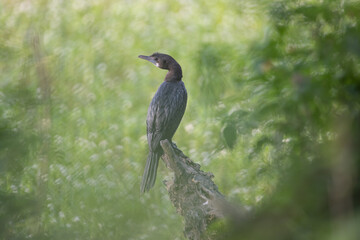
[
  {"x": 174, "y": 112},
  {"x": 153, "y": 134},
  {"x": 164, "y": 115}
]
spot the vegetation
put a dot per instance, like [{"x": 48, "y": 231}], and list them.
[{"x": 273, "y": 113}]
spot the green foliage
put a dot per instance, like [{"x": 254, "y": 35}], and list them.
[
  {"x": 273, "y": 109},
  {"x": 305, "y": 102},
  {"x": 16, "y": 140}
]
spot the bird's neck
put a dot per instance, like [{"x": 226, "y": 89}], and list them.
[{"x": 174, "y": 74}]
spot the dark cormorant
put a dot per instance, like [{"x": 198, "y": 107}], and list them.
[{"x": 164, "y": 114}]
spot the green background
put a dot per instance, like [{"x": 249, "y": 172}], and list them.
[{"x": 273, "y": 112}]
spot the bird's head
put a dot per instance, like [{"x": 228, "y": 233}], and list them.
[
  {"x": 160, "y": 60},
  {"x": 165, "y": 61}
]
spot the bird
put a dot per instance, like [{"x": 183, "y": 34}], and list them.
[{"x": 164, "y": 114}]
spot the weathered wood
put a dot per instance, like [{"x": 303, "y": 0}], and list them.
[{"x": 192, "y": 192}]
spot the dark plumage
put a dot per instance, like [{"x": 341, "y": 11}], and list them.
[{"x": 164, "y": 114}]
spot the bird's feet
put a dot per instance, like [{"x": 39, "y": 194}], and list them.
[
  {"x": 176, "y": 149},
  {"x": 174, "y": 145}
]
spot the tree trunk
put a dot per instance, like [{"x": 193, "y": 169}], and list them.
[
  {"x": 192, "y": 192},
  {"x": 44, "y": 121}
]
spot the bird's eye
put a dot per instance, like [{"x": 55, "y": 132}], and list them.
[{"x": 156, "y": 59}]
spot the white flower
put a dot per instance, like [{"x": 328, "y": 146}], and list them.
[
  {"x": 61, "y": 215},
  {"x": 103, "y": 143},
  {"x": 94, "y": 157},
  {"x": 286, "y": 140},
  {"x": 108, "y": 152},
  {"x": 114, "y": 127},
  {"x": 14, "y": 188},
  {"x": 189, "y": 128}
]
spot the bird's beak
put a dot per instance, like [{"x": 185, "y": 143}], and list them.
[{"x": 150, "y": 59}]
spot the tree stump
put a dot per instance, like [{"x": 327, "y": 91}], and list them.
[{"x": 192, "y": 192}]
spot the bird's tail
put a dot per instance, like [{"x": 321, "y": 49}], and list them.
[{"x": 149, "y": 175}]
